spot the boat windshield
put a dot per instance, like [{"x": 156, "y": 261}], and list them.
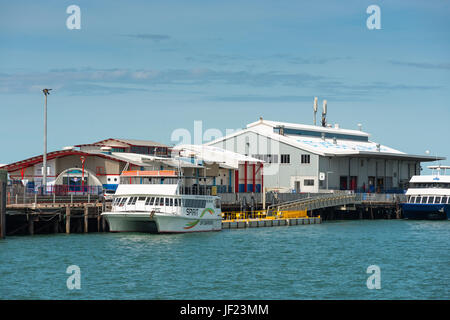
[{"x": 428, "y": 185}]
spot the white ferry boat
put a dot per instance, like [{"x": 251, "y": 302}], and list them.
[
  {"x": 153, "y": 201},
  {"x": 429, "y": 195}
]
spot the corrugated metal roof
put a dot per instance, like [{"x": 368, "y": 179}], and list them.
[
  {"x": 326, "y": 147},
  {"x": 289, "y": 125},
  {"x": 131, "y": 142},
  {"x": 225, "y": 159}
]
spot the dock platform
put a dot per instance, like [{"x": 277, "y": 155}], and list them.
[{"x": 262, "y": 223}]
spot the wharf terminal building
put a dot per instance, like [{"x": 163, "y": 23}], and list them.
[
  {"x": 96, "y": 167},
  {"x": 309, "y": 158}
]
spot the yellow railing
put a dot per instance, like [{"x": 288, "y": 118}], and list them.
[
  {"x": 244, "y": 215},
  {"x": 260, "y": 215}
]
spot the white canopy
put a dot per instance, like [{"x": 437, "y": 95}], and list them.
[{"x": 210, "y": 154}]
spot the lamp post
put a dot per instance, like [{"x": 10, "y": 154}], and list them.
[{"x": 44, "y": 160}]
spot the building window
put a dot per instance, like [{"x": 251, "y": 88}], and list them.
[
  {"x": 285, "y": 158},
  {"x": 308, "y": 182},
  {"x": 306, "y": 158}
]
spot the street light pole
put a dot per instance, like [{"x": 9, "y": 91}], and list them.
[{"x": 44, "y": 159}]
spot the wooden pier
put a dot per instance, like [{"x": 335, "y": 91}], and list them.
[{"x": 37, "y": 218}]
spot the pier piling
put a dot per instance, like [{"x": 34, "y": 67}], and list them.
[
  {"x": 3, "y": 181},
  {"x": 67, "y": 219},
  {"x": 86, "y": 216},
  {"x": 30, "y": 224}
]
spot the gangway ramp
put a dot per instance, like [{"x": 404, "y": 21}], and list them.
[{"x": 314, "y": 203}]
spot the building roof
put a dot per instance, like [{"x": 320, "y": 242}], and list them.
[
  {"x": 143, "y": 160},
  {"x": 326, "y": 146},
  {"x": 289, "y": 125},
  {"x": 52, "y": 155},
  {"x": 130, "y": 142},
  {"x": 225, "y": 159}
]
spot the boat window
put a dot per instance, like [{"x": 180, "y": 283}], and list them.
[
  {"x": 430, "y": 199},
  {"x": 418, "y": 199},
  {"x": 444, "y": 200},
  {"x": 176, "y": 201},
  {"x": 412, "y": 199},
  {"x": 171, "y": 202},
  {"x": 424, "y": 199},
  {"x": 156, "y": 202},
  {"x": 141, "y": 199},
  {"x": 437, "y": 200},
  {"x": 147, "y": 201},
  {"x": 167, "y": 202},
  {"x": 161, "y": 202},
  {"x": 123, "y": 202},
  {"x": 217, "y": 203}
]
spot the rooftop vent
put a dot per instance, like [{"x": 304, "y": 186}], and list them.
[
  {"x": 336, "y": 125},
  {"x": 378, "y": 147}
]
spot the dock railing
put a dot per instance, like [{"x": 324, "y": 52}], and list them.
[
  {"x": 29, "y": 199},
  {"x": 262, "y": 215}
]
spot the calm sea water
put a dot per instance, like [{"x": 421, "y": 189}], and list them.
[{"x": 327, "y": 261}]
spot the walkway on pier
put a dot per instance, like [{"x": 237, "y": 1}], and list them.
[{"x": 337, "y": 200}]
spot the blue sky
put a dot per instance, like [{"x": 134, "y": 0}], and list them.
[{"x": 141, "y": 69}]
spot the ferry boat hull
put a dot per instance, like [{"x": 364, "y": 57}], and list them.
[
  {"x": 160, "y": 223},
  {"x": 419, "y": 211}
]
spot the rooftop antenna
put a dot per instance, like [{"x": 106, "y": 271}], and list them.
[
  {"x": 360, "y": 126},
  {"x": 315, "y": 109},
  {"x": 324, "y": 114}
]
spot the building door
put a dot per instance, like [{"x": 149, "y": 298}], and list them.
[
  {"x": 353, "y": 183},
  {"x": 371, "y": 184},
  {"x": 297, "y": 186},
  {"x": 380, "y": 184},
  {"x": 343, "y": 183}
]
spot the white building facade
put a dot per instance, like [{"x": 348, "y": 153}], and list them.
[{"x": 305, "y": 158}]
